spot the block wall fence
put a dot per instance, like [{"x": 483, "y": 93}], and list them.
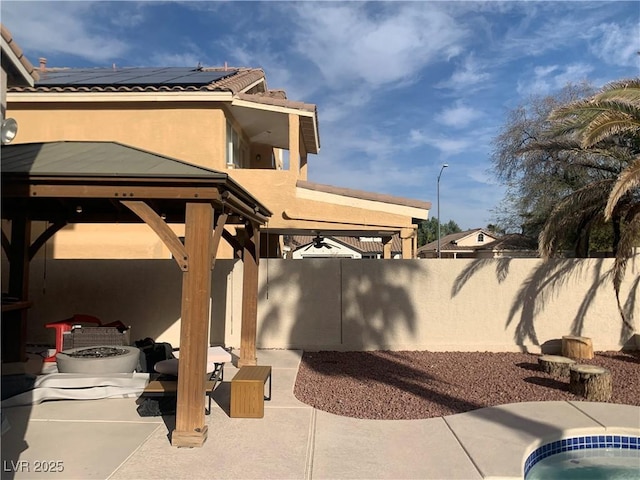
[{"x": 344, "y": 304}]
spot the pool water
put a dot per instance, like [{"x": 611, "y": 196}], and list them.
[{"x": 597, "y": 463}]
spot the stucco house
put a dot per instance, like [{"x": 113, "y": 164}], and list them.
[
  {"x": 223, "y": 118},
  {"x": 480, "y": 243},
  {"x": 60, "y": 183}
]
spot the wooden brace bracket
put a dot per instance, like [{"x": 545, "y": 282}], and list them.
[{"x": 168, "y": 237}]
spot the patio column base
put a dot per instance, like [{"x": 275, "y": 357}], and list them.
[
  {"x": 189, "y": 439},
  {"x": 247, "y": 362}
]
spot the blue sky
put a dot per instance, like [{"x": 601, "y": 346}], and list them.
[{"x": 401, "y": 87}]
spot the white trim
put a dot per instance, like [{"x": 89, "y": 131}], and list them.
[
  {"x": 253, "y": 84},
  {"x": 236, "y": 102}
]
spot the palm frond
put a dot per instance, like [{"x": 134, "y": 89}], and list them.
[
  {"x": 628, "y": 180},
  {"x": 607, "y": 125},
  {"x": 628, "y": 241},
  {"x": 574, "y": 213},
  {"x": 614, "y": 110}
]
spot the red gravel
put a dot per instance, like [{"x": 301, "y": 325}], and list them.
[{"x": 411, "y": 385}]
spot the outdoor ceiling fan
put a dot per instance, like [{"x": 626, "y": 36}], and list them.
[{"x": 318, "y": 242}]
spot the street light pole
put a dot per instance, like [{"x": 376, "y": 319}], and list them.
[{"x": 438, "y": 197}]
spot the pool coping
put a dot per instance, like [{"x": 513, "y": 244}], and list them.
[
  {"x": 581, "y": 443},
  {"x": 498, "y": 440}
]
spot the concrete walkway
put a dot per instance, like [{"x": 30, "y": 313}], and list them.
[{"x": 106, "y": 439}]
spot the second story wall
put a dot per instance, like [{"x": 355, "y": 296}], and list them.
[{"x": 185, "y": 131}]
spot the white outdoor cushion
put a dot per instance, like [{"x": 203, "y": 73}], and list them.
[{"x": 214, "y": 355}]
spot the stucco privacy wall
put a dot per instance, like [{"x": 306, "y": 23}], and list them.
[{"x": 343, "y": 304}]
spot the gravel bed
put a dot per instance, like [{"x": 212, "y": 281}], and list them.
[{"x": 417, "y": 384}]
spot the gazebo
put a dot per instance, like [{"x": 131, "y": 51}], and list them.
[{"x": 65, "y": 183}]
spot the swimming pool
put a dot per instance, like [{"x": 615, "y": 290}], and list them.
[{"x": 586, "y": 457}]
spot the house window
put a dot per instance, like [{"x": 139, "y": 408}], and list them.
[
  {"x": 237, "y": 150},
  {"x": 480, "y": 237}
]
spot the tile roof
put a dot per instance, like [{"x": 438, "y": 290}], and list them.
[
  {"x": 17, "y": 51},
  {"x": 276, "y": 98}
]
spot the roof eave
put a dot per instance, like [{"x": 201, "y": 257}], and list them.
[{"x": 28, "y": 75}]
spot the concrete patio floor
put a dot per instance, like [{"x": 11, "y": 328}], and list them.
[{"x": 107, "y": 439}]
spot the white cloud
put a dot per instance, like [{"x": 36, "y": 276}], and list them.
[
  {"x": 458, "y": 116},
  {"x": 446, "y": 145},
  {"x": 349, "y": 42},
  {"x": 349, "y": 105},
  {"x": 60, "y": 27},
  {"x": 469, "y": 74},
  {"x": 617, "y": 44},
  {"x": 547, "y": 79},
  {"x": 544, "y": 71}
]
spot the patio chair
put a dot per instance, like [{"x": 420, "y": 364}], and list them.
[{"x": 64, "y": 326}]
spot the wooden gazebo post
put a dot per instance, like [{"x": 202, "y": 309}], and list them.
[
  {"x": 250, "y": 259},
  {"x": 14, "y": 323},
  {"x": 191, "y": 430}
]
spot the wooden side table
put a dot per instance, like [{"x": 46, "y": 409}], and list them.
[{"x": 247, "y": 392}]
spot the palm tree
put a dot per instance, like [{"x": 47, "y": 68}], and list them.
[
  {"x": 607, "y": 123},
  {"x": 612, "y": 114}
]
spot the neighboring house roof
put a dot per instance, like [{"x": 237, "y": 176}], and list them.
[
  {"x": 464, "y": 242},
  {"x": 452, "y": 241},
  {"x": 19, "y": 70},
  {"x": 355, "y": 243}
]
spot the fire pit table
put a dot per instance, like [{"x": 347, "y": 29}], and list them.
[{"x": 99, "y": 359}]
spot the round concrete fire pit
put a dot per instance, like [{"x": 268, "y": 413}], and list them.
[{"x": 98, "y": 360}]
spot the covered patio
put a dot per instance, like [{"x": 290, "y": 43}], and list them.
[{"x": 64, "y": 183}]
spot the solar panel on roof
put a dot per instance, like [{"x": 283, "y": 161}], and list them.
[{"x": 133, "y": 76}]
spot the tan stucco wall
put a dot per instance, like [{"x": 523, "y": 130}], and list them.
[
  {"x": 168, "y": 129},
  {"x": 276, "y": 189},
  {"x": 438, "y": 305},
  {"x": 196, "y": 133}
]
